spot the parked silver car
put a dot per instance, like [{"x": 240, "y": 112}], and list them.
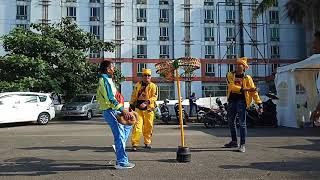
[{"x": 83, "y": 105}]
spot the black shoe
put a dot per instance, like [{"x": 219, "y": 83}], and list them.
[
  {"x": 147, "y": 146},
  {"x": 134, "y": 148},
  {"x": 231, "y": 144}
]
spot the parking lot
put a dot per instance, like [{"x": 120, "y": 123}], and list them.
[{"x": 81, "y": 149}]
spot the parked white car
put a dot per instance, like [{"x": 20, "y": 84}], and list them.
[{"x": 26, "y": 106}]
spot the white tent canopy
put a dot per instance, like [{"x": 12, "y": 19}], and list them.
[{"x": 297, "y": 87}]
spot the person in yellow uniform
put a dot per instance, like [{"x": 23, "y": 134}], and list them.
[
  {"x": 241, "y": 92},
  {"x": 143, "y": 101}
]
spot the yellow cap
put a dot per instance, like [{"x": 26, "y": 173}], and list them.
[
  {"x": 146, "y": 71},
  {"x": 243, "y": 61}
]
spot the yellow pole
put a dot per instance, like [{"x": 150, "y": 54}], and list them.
[{"x": 180, "y": 107}]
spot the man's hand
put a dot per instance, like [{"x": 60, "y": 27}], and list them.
[
  {"x": 126, "y": 114},
  {"x": 145, "y": 104},
  {"x": 249, "y": 89}
]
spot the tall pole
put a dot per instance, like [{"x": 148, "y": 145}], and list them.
[
  {"x": 241, "y": 30},
  {"x": 180, "y": 107}
]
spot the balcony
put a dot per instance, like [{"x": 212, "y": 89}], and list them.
[
  {"x": 141, "y": 56},
  {"x": 72, "y": 17},
  {"x": 22, "y": 17},
  {"x": 230, "y": 21},
  {"x": 141, "y": 19},
  {"x": 164, "y": 56},
  {"x": 163, "y": 2},
  {"x": 142, "y": 38},
  {"x": 211, "y": 56},
  {"x": 211, "y": 74},
  {"x": 94, "y": 1},
  {"x": 209, "y": 21},
  {"x": 231, "y": 56},
  {"x": 164, "y": 20},
  {"x": 94, "y": 18},
  {"x": 231, "y": 38},
  {"x": 208, "y": 3},
  {"x": 141, "y": 1},
  {"x": 163, "y": 38},
  {"x": 209, "y": 38}
]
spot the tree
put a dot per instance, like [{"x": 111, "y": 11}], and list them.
[
  {"x": 305, "y": 12},
  {"x": 50, "y": 58}
]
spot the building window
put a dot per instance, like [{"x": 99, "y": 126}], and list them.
[
  {"x": 141, "y": 15},
  {"x": 164, "y": 51},
  {"x": 209, "y": 51},
  {"x": 276, "y": 4},
  {"x": 163, "y": 2},
  {"x": 94, "y": 14},
  {"x": 94, "y": 1},
  {"x": 22, "y": 12},
  {"x": 274, "y": 34},
  {"x": 141, "y": 66},
  {"x": 230, "y": 67},
  {"x": 72, "y": 13},
  {"x": 71, "y": 1},
  {"x": 164, "y": 15},
  {"x": 275, "y": 52},
  {"x": 208, "y": 2},
  {"x": 230, "y": 16},
  {"x": 230, "y": 2},
  {"x": 141, "y": 1},
  {"x": 142, "y": 33},
  {"x": 210, "y": 70},
  {"x": 274, "y": 17},
  {"x": 208, "y": 34},
  {"x": 208, "y": 16},
  {"x": 164, "y": 33},
  {"x": 230, "y": 34},
  {"x": 214, "y": 90},
  {"x": 166, "y": 92},
  {"x": 95, "y": 30},
  {"x": 141, "y": 51},
  {"x": 231, "y": 51}
]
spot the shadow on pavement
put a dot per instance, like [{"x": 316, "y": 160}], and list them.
[
  {"x": 259, "y": 132},
  {"x": 309, "y": 164},
  {"x": 72, "y": 148},
  {"x": 18, "y": 124},
  {"x": 30, "y": 166},
  {"x": 315, "y": 146}
]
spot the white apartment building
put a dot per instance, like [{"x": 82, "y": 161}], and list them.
[{"x": 148, "y": 31}]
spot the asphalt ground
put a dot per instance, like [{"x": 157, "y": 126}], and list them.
[{"x": 81, "y": 149}]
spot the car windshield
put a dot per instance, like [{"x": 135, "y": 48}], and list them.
[{"x": 82, "y": 99}]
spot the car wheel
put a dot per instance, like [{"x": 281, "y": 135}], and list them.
[
  {"x": 89, "y": 115},
  {"x": 43, "y": 118}
]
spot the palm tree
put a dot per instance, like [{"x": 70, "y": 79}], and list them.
[{"x": 305, "y": 12}]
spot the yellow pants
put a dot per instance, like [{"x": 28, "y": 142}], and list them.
[{"x": 145, "y": 125}]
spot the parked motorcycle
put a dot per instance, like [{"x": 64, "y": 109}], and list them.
[
  {"x": 185, "y": 116},
  {"x": 165, "y": 114},
  {"x": 216, "y": 117},
  {"x": 269, "y": 115}
]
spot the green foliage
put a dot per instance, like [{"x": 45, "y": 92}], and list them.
[
  {"x": 118, "y": 76},
  {"x": 50, "y": 58}
]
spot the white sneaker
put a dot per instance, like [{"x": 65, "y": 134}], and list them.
[
  {"x": 127, "y": 166},
  {"x": 242, "y": 148},
  {"x": 114, "y": 148}
]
